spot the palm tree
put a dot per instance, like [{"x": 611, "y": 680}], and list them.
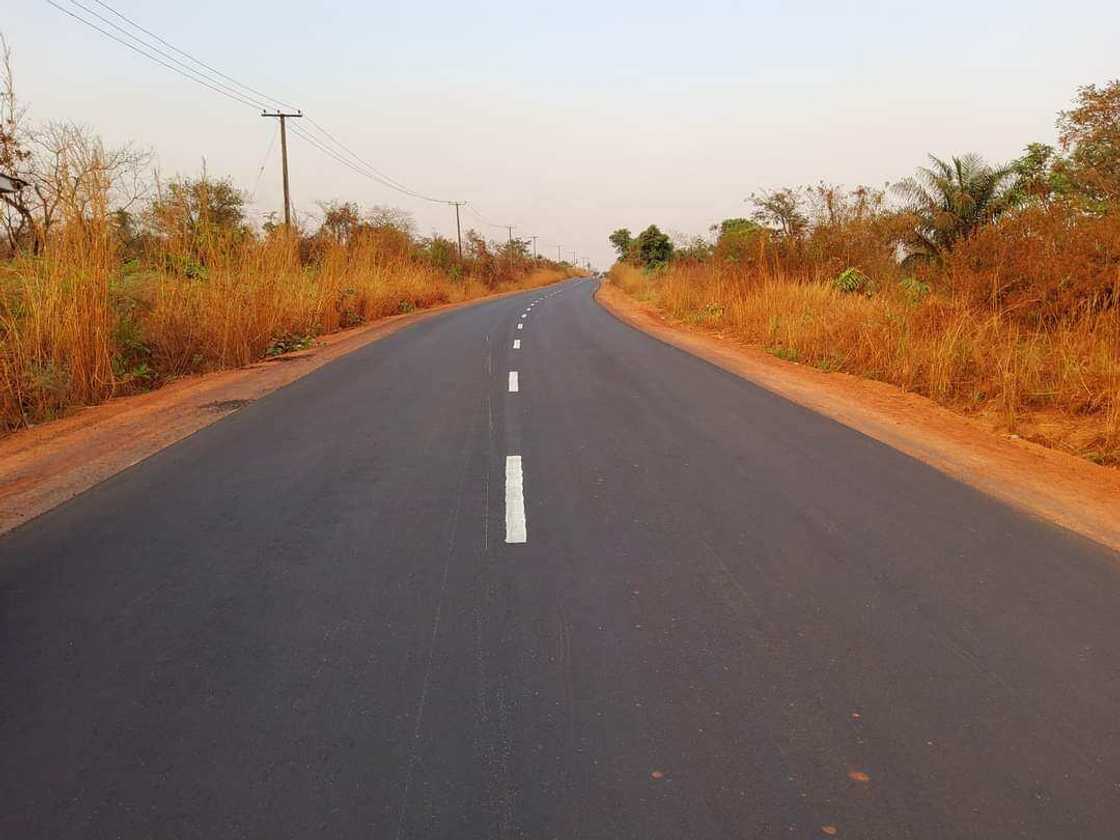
[{"x": 950, "y": 199}]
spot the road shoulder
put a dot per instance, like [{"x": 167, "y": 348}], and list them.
[{"x": 1045, "y": 483}]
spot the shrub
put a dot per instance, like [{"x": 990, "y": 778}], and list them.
[{"x": 852, "y": 280}]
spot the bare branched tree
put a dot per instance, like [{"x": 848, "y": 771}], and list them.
[
  {"x": 18, "y": 220},
  {"x": 65, "y": 168}
]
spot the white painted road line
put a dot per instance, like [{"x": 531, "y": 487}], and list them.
[
  {"x": 517, "y": 344},
  {"x": 515, "y": 501},
  {"x": 521, "y": 326},
  {"x": 513, "y": 382},
  {"x": 523, "y": 317}
]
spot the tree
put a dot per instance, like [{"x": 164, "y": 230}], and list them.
[
  {"x": 950, "y": 199},
  {"x": 340, "y": 219},
  {"x": 736, "y": 238},
  {"x": 653, "y": 248},
  {"x": 66, "y": 170},
  {"x": 515, "y": 249},
  {"x": 780, "y": 210},
  {"x": 196, "y": 211},
  {"x": 1090, "y": 134},
  {"x": 442, "y": 253},
  {"x": 19, "y": 222},
  {"x": 735, "y": 226},
  {"x": 383, "y": 217},
  {"x": 693, "y": 248},
  {"x": 622, "y": 239},
  {"x": 1040, "y": 175}
]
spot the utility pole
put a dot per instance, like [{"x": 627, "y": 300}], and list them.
[
  {"x": 458, "y": 229},
  {"x": 558, "y": 259},
  {"x": 284, "y": 154},
  {"x": 534, "y": 237},
  {"x": 510, "y": 229}
]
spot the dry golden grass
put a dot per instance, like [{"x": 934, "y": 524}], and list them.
[
  {"x": 76, "y": 329},
  {"x": 1057, "y": 383}
]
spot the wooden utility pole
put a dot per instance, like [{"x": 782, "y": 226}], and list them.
[
  {"x": 510, "y": 229},
  {"x": 458, "y": 229},
  {"x": 284, "y": 155},
  {"x": 534, "y": 237}
]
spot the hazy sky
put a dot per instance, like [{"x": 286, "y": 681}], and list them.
[{"x": 572, "y": 119}]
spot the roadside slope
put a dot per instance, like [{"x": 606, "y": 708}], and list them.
[{"x": 1051, "y": 485}]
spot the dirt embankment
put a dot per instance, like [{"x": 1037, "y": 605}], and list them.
[
  {"x": 1052, "y": 485},
  {"x": 46, "y": 465}
]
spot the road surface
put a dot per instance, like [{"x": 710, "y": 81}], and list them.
[{"x": 636, "y": 597}]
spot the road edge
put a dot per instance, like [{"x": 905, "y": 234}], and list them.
[{"x": 1044, "y": 483}]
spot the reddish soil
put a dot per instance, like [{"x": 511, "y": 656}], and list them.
[{"x": 1046, "y": 483}]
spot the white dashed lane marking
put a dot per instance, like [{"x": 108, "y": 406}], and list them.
[
  {"x": 517, "y": 344},
  {"x": 516, "y": 531},
  {"x": 513, "y": 382}
]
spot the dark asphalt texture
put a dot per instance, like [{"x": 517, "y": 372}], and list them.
[{"x": 303, "y": 621}]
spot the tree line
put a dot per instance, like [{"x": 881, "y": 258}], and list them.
[{"x": 925, "y": 215}]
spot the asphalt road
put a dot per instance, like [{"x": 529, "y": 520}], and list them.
[{"x": 729, "y": 617}]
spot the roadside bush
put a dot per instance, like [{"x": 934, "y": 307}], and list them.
[{"x": 852, "y": 280}]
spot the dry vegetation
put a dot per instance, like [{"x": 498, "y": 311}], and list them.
[
  {"x": 112, "y": 282},
  {"x": 992, "y": 291},
  {"x": 78, "y": 326}
]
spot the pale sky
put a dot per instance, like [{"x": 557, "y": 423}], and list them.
[{"x": 572, "y": 119}]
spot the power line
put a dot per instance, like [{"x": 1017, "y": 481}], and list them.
[
  {"x": 264, "y": 163},
  {"x": 197, "y": 61},
  {"x": 246, "y": 95},
  {"x": 388, "y": 179},
  {"x": 226, "y": 90},
  {"x": 164, "y": 53},
  {"x": 150, "y": 57},
  {"x": 201, "y": 78},
  {"x": 391, "y": 182},
  {"x": 353, "y": 167},
  {"x": 484, "y": 220}
]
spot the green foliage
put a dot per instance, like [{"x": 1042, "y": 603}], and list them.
[
  {"x": 131, "y": 361},
  {"x": 1041, "y": 174},
  {"x": 852, "y": 280},
  {"x": 515, "y": 249},
  {"x": 914, "y": 289},
  {"x": 736, "y": 239},
  {"x": 790, "y": 354},
  {"x": 729, "y": 227},
  {"x": 622, "y": 240},
  {"x": 653, "y": 248},
  {"x": 442, "y": 253},
  {"x": 198, "y": 207},
  {"x": 289, "y": 343},
  {"x": 696, "y": 249},
  {"x": 950, "y": 199}
]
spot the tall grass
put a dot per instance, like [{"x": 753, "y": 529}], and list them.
[
  {"x": 77, "y": 326},
  {"x": 1020, "y": 326}
]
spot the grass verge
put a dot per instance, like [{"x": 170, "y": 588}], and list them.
[
  {"x": 78, "y": 325},
  {"x": 1056, "y": 383}
]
